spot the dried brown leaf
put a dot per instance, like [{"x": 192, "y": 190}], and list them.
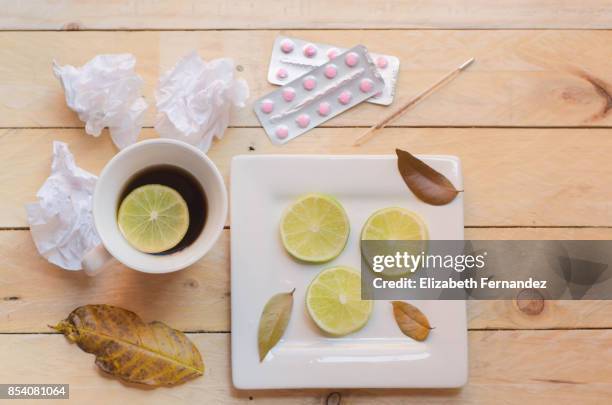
[
  {"x": 126, "y": 347},
  {"x": 273, "y": 322},
  {"x": 411, "y": 321},
  {"x": 426, "y": 183}
]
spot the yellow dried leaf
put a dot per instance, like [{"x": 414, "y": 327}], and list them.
[{"x": 126, "y": 347}]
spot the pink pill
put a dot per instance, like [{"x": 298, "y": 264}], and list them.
[
  {"x": 310, "y": 50},
  {"x": 281, "y": 131},
  {"x": 382, "y": 62},
  {"x": 267, "y": 106},
  {"x": 351, "y": 59},
  {"x": 303, "y": 120},
  {"x": 330, "y": 71},
  {"x": 309, "y": 83},
  {"x": 288, "y": 94},
  {"x": 324, "y": 108},
  {"x": 366, "y": 85},
  {"x": 378, "y": 94},
  {"x": 345, "y": 97},
  {"x": 287, "y": 46},
  {"x": 332, "y": 53},
  {"x": 282, "y": 73}
]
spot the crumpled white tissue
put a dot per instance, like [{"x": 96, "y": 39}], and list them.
[
  {"x": 195, "y": 98},
  {"x": 106, "y": 92},
  {"x": 61, "y": 221}
]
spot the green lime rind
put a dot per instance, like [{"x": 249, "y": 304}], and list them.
[
  {"x": 153, "y": 218},
  {"x": 394, "y": 224},
  {"x": 315, "y": 228},
  {"x": 333, "y": 301}
]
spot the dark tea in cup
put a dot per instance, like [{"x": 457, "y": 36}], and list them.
[{"x": 183, "y": 183}]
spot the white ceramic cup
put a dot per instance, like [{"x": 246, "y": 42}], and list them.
[{"x": 118, "y": 171}]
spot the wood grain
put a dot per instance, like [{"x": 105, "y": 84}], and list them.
[
  {"x": 561, "y": 367},
  {"x": 512, "y": 177},
  {"x": 520, "y": 78},
  {"x": 551, "y": 76},
  {"x": 34, "y": 293},
  {"x": 193, "y": 14}
]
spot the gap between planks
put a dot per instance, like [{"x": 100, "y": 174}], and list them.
[
  {"x": 227, "y": 332},
  {"x": 366, "y": 126},
  {"x": 293, "y": 28}
]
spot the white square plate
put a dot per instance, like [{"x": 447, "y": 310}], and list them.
[{"x": 377, "y": 356}]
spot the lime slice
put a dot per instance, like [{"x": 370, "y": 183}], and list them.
[
  {"x": 334, "y": 301},
  {"x": 394, "y": 224},
  {"x": 153, "y": 218},
  {"x": 315, "y": 228}
]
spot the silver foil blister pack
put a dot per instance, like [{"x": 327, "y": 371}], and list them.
[
  {"x": 293, "y": 57},
  {"x": 324, "y": 92}
]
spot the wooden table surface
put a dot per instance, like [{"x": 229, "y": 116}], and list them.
[{"x": 530, "y": 121}]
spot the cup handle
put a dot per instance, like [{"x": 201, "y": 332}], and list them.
[{"x": 95, "y": 260}]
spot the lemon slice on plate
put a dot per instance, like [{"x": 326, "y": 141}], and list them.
[
  {"x": 315, "y": 228},
  {"x": 334, "y": 301},
  {"x": 153, "y": 218},
  {"x": 394, "y": 224}
]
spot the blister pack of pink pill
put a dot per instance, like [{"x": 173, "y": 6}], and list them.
[
  {"x": 293, "y": 57},
  {"x": 323, "y": 93}
]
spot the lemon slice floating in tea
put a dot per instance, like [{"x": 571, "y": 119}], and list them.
[
  {"x": 394, "y": 224},
  {"x": 334, "y": 301},
  {"x": 315, "y": 228},
  {"x": 153, "y": 218}
]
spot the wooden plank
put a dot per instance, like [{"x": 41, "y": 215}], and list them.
[
  {"x": 554, "y": 314},
  {"x": 34, "y": 293},
  {"x": 526, "y": 177},
  {"x": 527, "y": 367},
  {"x": 192, "y": 14},
  {"x": 521, "y": 78}
]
